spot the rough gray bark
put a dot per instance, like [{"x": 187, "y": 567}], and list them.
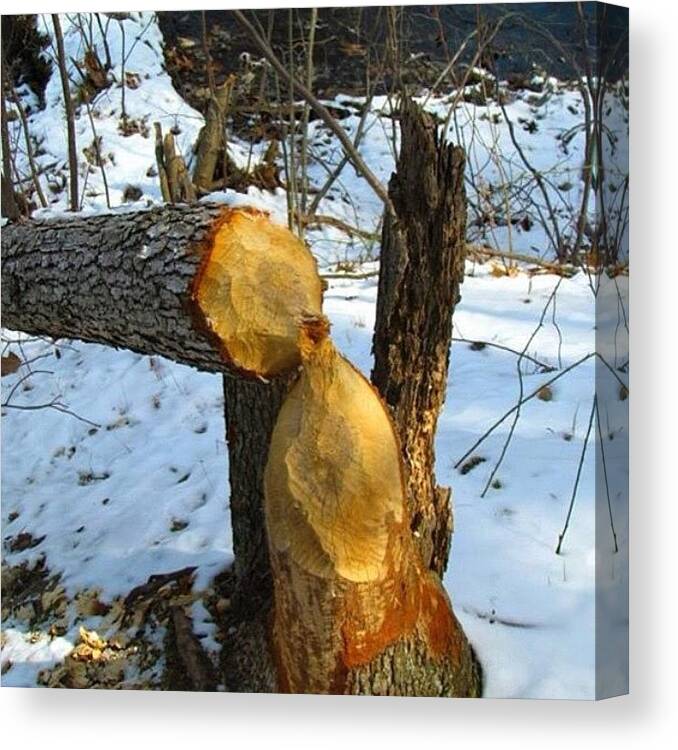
[
  {"x": 121, "y": 279},
  {"x": 405, "y": 668},
  {"x": 421, "y": 268},
  {"x": 251, "y": 409}
]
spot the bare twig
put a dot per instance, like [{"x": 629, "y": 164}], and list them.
[
  {"x": 521, "y": 392},
  {"x": 607, "y": 484},
  {"x": 320, "y": 110},
  {"x": 517, "y": 406},
  {"x": 70, "y": 117},
  {"x": 494, "y": 345},
  {"x": 304, "y": 120},
  {"x": 561, "y": 536}
]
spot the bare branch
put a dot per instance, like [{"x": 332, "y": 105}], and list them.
[{"x": 320, "y": 110}]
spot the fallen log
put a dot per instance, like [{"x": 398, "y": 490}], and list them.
[{"x": 216, "y": 288}]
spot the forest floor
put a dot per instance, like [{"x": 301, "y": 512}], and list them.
[{"x": 115, "y": 514}]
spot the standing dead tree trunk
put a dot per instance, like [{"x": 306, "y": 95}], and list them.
[
  {"x": 421, "y": 268},
  {"x": 211, "y": 146},
  {"x": 175, "y": 182}
]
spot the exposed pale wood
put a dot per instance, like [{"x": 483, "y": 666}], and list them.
[
  {"x": 181, "y": 188},
  {"x": 175, "y": 182},
  {"x": 160, "y": 163},
  {"x": 212, "y": 138},
  {"x": 260, "y": 283},
  {"x": 355, "y": 609}
]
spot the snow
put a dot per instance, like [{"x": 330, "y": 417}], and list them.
[
  {"x": 29, "y": 653},
  {"x": 143, "y": 446}
]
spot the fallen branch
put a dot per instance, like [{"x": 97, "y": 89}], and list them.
[
  {"x": 494, "y": 345},
  {"x": 153, "y": 281},
  {"x": 332, "y": 221},
  {"x": 555, "y": 266}
]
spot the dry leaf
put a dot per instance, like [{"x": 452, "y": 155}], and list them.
[{"x": 545, "y": 393}]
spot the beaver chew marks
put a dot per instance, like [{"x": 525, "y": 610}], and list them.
[
  {"x": 258, "y": 283},
  {"x": 333, "y": 481}
]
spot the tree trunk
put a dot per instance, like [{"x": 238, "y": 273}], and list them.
[
  {"x": 175, "y": 182},
  {"x": 125, "y": 280},
  {"x": 251, "y": 410},
  {"x": 212, "y": 138},
  {"x": 361, "y": 613},
  {"x": 70, "y": 116},
  {"x": 161, "y": 282},
  {"x": 10, "y": 207},
  {"x": 421, "y": 268}
]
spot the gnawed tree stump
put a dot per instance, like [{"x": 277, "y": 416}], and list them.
[
  {"x": 211, "y": 145},
  {"x": 175, "y": 182},
  {"x": 214, "y": 168},
  {"x": 355, "y": 608},
  {"x": 421, "y": 268}
]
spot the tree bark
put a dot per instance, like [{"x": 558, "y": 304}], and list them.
[
  {"x": 421, "y": 268},
  {"x": 10, "y": 206},
  {"x": 251, "y": 410}
]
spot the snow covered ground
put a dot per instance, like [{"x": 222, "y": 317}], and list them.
[{"x": 141, "y": 487}]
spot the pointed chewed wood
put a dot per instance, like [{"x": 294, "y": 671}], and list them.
[
  {"x": 334, "y": 477},
  {"x": 355, "y": 609}
]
